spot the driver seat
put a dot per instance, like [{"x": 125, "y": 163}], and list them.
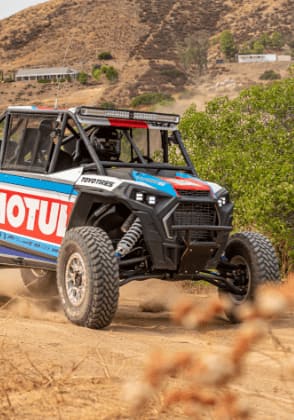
[{"x": 107, "y": 143}]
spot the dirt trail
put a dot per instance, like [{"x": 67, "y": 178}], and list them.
[{"x": 53, "y": 369}]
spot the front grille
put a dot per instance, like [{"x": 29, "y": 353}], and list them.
[
  {"x": 194, "y": 214},
  {"x": 193, "y": 193}
]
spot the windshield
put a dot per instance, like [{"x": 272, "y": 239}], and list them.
[
  {"x": 136, "y": 145},
  {"x": 110, "y": 146}
]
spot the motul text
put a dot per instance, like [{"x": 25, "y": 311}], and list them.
[{"x": 32, "y": 216}]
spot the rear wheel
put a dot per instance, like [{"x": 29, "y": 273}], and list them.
[
  {"x": 39, "y": 282},
  {"x": 88, "y": 277},
  {"x": 258, "y": 263}
]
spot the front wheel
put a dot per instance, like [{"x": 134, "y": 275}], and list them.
[
  {"x": 255, "y": 256},
  {"x": 88, "y": 277}
]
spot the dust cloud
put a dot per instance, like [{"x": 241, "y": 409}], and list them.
[
  {"x": 153, "y": 295},
  {"x": 16, "y": 300}
]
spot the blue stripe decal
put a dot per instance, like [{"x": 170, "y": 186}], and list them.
[
  {"x": 38, "y": 183},
  {"x": 14, "y": 253},
  {"x": 29, "y": 244},
  {"x": 154, "y": 182}
]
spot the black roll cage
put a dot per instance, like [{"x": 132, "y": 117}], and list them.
[{"x": 64, "y": 115}]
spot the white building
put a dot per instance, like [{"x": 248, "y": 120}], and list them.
[
  {"x": 257, "y": 58},
  {"x": 46, "y": 73}
]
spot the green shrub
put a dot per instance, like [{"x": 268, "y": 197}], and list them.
[
  {"x": 151, "y": 98},
  {"x": 44, "y": 80},
  {"x": 291, "y": 70},
  {"x": 107, "y": 105},
  {"x": 277, "y": 40},
  {"x": 105, "y": 55},
  {"x": 83, "y": 77},
  {"x": 270, "y": 75},
  {"x": 96, "y": 72},
  {"x": 258, "y": 48},
  {"x": 110, "y": 72},
  {"x": 264, "y": 42},
  {"x": 246, "y": 144},
  {"x": 227, "y": 44}
]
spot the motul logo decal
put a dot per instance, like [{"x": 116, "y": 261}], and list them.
[{"x": 32, "y": 216}]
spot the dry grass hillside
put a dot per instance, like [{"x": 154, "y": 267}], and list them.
[{"x": 144, "y": 37}]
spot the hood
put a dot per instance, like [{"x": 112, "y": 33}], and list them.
[{"x": 175, "y": 185}]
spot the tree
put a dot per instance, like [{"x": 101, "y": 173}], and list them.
[
  {"x": 227, "y": 44},
  {"x": 277, "y": 40},
  {"x": 246, "y": 144},
  {"x": 265, "y": 39},
  {"x": 258, "y": 47},
  {"x": 195, "y": 51}
]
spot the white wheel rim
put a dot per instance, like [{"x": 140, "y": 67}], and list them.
[{"x": 75, "y": 279}]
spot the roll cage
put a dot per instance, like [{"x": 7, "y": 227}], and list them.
[{"x": 74, "y": 126}]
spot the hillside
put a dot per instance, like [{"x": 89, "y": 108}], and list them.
[{"x": 144, "y": 36}]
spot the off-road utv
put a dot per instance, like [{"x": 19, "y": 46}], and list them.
[{"x": 99, "y": 198}]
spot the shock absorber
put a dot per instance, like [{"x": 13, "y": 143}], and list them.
[{"x": 130, "y": 238}]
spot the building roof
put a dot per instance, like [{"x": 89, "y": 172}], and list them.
[{"x": 45, "y": 71}]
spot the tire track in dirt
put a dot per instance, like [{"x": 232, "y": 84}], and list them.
[{"x": 51, "y": 368}]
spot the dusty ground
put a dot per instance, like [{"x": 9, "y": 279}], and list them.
[{"x": 53, "y": 369}]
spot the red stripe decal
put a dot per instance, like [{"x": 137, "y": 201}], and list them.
[
  {"x": 116, "y": 122},
  {"x": 190, "y": 184}
]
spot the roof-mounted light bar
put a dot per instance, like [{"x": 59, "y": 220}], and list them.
[
  {"x": 129, "y": 115},
  {"x": 106, "y": 113}
]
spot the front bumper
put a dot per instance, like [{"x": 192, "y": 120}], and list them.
[{"x": 187, "y": 242}]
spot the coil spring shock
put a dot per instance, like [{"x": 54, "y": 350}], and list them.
[{"x": 130, "y": 238}]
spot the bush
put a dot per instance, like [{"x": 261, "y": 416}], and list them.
[
  {"x": 258, "y": 48},
  {"x": 270, "y": 75},
  {"x": 277, "y": 40},
  {"x": 227, "y": 44},
  {"x": 291, "y": 70},
  {"x": 44, "y": 80},
  {"x": 96, "y": 72},
  {"x": 151, "y": 98},
  {"x": 246, "y": 144},
  {"x": 82, "y": 78},
  {"x": 264, "y": 42},
  {"x": 105, "y": 55},
  {"x": 110, "y": 72},
  {"x": 107, "y": 105}
]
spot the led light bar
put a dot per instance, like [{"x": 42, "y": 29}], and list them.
[
  {"x": 130, "y": 115},
  {"x": 147, "y": 116},
  {"x": 108, "y": 113}
]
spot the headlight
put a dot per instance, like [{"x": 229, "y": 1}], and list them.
[
  {"x": 151, "y": 200},
  {"x": 142, "y": 197},
  {"x": 223, "y": 200},
  {"x": 139, "y": 196}
]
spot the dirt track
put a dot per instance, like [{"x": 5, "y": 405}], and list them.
[{"x": 53, "y": 369}]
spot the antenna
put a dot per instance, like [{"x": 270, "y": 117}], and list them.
[
  {"x": 63, "y": 64},
  {"x": 64, "y": 59}
]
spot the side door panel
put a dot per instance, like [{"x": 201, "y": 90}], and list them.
[
  {"x": 34, "y": 215},
  {"x": 34, "y": 207}
]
